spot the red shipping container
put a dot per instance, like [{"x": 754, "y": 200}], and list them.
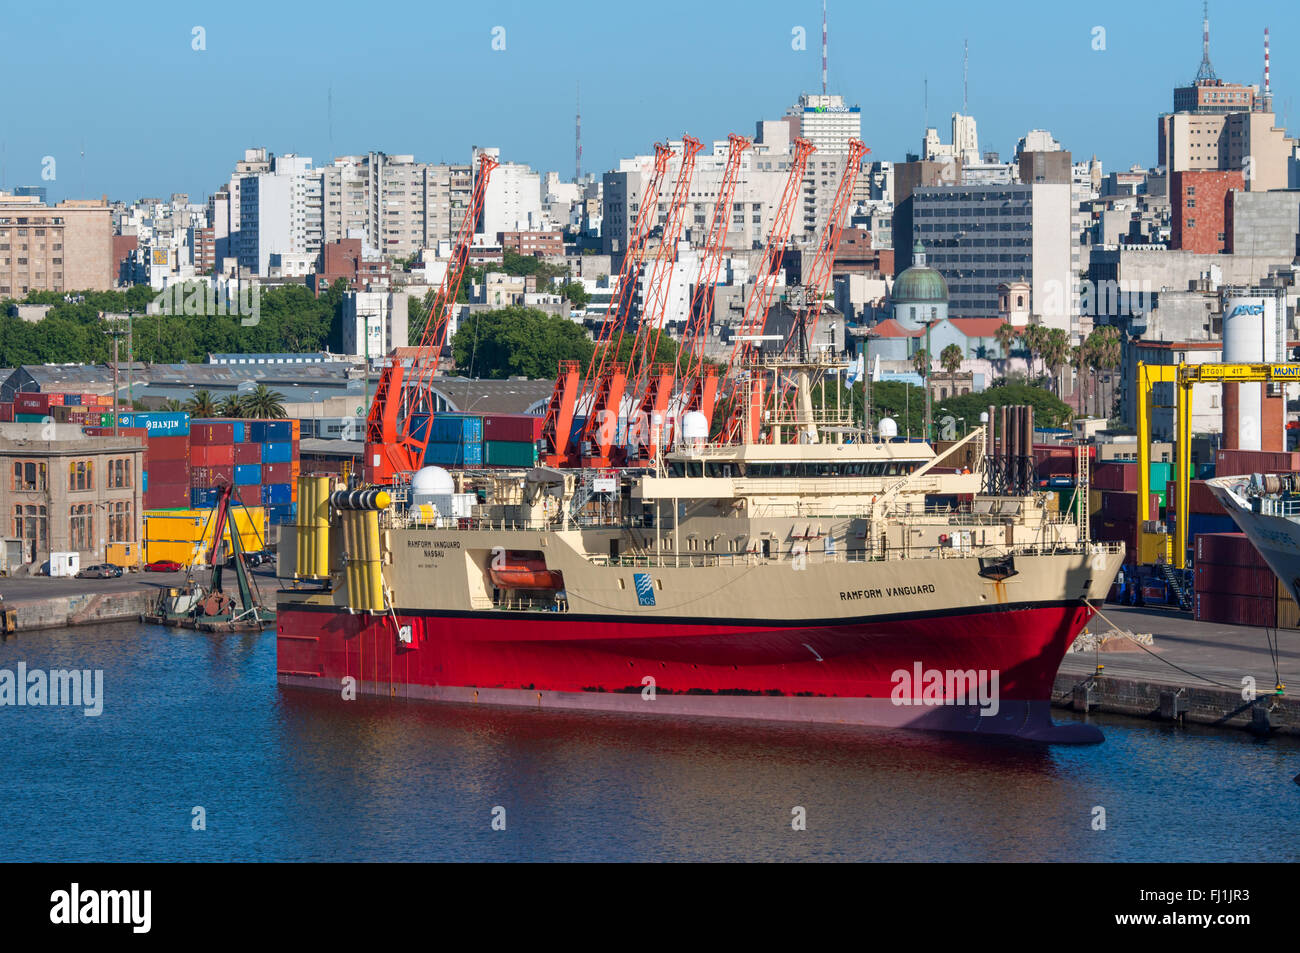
[
  {"x": 1241, "y": 462},
  {"x": 213, "y": 455},
  {"x": 1236, "y": 609},
  {"x": 169, "y": 448},
  {"x": 6, "y": 412},
  {"x": 167, "y": 496},
  {"x": 1227, "y": 549},
  {"x": 249, "y": 495},
  {"x": 277, "y": 473},
  {"x": 522, "y": 428},
  {"x": 169, "y": 472},
  {"x": 1240, "y": 580},
  {"x": 1116, "y": 505},
  {"x": 211, "y": 476},
  {"x": 1115, "y": 476},
  {"x": 248, "y": 453},
  {"x": 210, "y": 434}
]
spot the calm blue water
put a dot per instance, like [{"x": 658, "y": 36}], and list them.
[{"x": 197, "y": 720}]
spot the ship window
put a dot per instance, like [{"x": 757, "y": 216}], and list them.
[
  {"x": 695, "y": 468},
  {"x": 676, "y": 468}
]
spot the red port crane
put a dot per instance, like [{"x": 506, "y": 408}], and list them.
[
  {"x": 699, "y": 382},
  {"x": 652, "y": 383},
  {"x": 604, "y": 373},
  {"x": 392, "y": 445},
  {"x": 740, "y": 420}
]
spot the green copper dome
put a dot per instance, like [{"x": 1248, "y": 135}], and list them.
[{"x": 919, "y": 284}]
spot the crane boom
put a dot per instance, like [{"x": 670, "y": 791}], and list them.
[
  {"x": 557, "y": 450},
  {"x": 392, "y": 444},
  {"x": 760, "y": 299}
]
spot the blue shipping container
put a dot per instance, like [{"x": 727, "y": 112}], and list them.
[
  {"x": 255, "y": 431},
  {"x": 203, "y": 497},
  {"x": 248, "y": 474},
  {"x": 277, "y": 452},
  {"x": 239, "y": 430},
  {"x": 454, "y": 454},
  {"x": 282, "y": 514},
  {"x": 277, "y": 431},
  {"x": 457, "y": 428},
  {"x": 158, "y": 424},
  {"x": 144, "y": 483},
  {"x": 277, "y": 494}
]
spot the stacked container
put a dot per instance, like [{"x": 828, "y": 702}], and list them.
[
  {"x": 510, "y": 440},
  {"x": 1233, "y": 583},
  {"x": 455, "y": 440},
  {"x": 186, "y": 535}
]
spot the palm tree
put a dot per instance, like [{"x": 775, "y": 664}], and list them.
[
  {"x": 173, "y": 406},
  {"x": 202, "y": 404},
  {"x": 231, "y": 406},
  {"x": 1055, "y": 349},
  {"x": 921, "y": 363},
  {"x": 1080, "y": 360},
  {"x": 264, "y": 402},
  {"x": 950, "y": 359},
  {"x": 1032, "y": 337},
  {"x": 1006, "y": 335},
  {"x": 1105, "y": 356}
]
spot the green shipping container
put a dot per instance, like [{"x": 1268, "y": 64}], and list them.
[
  {"x": 1161, "y": 473},
  {"x": 504, "y": 453},
  {"x": 28, "y": 418}
]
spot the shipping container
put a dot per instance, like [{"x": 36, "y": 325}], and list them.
[
  {"x": 31, "y": 418},
  {"x": 1236, "y": 609},
  {"x": 276, "y": 494},
  {"x": 167, "y": 495},
  {"x": 204, "y": 496},
  {"x": 456, "y": 428},
  {"x": 212, "y": 476},
  {"x": 212, "y": 455},
  {"x": 1228, "y": 549},
  {"x": 1115, "y": 476},
  {"x": 248, "y": 453},
  {"x": 515, "y": 428},
  {"x": 6, "y": 412},
  {"x": 283, "y": 514},
  {"x": 207, "y": 432},
  {"x": 163, "y": 424},
  {"x": 1118, "y": 505},
  {"x": 238, "y": 431},
  {"x": 168, "y": 448},
  {"x": 170, "y": 471},
  {"x": 1243, "y": 580},
  {"x": 268, "y": 431},
  {"x": 248, "y": 474},
  {"x": 454, "y": 454},
  {"x": 276, "y": 472},
  {"x": 277, "y": 452},
  {"x": 502, "y": 453},
  {"x": 1243, "y": 462},
  {"x": 250, "y": 495}
]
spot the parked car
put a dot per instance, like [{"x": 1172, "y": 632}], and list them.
[
  {"x": 163, "y": 565},
  {"x": 100, "y": 571},
  {"x": 257, "y": 557}
]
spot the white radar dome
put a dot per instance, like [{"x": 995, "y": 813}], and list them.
[
  {"x": 887, "y": 428},
  {"x": 431, "y": 481},
  {"x": 695, "y": 426}
]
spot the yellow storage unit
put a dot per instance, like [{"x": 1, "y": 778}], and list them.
[
  {"x": 1152, "y": 548},
  {"x": 183, "y": 553},
  {"x": 193, "y": 527},
  {"x": 1288, "y": 613},
  {"x": 124, "y": 554}
]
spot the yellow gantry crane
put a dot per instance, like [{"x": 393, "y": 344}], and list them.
[{"x": 1184, "y": 377}]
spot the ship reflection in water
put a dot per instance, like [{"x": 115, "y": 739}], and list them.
[{"x": 197, "y": 721}]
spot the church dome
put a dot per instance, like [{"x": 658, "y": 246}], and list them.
[{"x": 919, "y": 284}]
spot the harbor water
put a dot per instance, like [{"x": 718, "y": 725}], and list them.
[{"x": 199, "y": 755}]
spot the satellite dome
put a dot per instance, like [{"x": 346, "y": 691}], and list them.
[
  {"x": 887, "y": 428},
  {"x": 695, "y": 426},
  {"x": 431, "y": 481}
]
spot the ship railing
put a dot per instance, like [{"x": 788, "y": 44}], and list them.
[{"x": 1274, "y": 507}]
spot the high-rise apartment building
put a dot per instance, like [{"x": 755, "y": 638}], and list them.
[{"x": 280, "y": 218}]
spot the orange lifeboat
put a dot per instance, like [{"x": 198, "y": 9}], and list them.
[{"x": 524, "y": 570}]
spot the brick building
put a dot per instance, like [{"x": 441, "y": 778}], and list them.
[
  {"x": 1198, "y": 203},
  {"x": 534, "y": 243},
  {"x": 71, "y": 493},
  {"x": 64, "y": 247},
  {"x": 345, "y": 259}
]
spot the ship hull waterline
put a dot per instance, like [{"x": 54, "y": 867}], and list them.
[{"x": 865, "y": 671}]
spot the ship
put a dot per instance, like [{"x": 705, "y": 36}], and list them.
[
  {"x": 1266, "y": 507},
  {"x": 822, "y": 575}
]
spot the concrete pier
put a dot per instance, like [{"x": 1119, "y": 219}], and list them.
[{"x": 1162, "y": 683}]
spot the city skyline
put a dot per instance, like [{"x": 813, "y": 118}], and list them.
[{"x": 145, "y": 132}]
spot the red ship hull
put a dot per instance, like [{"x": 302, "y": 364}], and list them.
[{"x": 840, "y": 671}]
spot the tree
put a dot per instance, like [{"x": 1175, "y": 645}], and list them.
[
  {"x": 231, "y": 406},
  {"x": 575, "y": 294},
  {"x": 263, "y": 402},
  {"x": 1049, "y": 410},
  {"x": 518, "y": 341},
  {"x": 950, "y": 359},
  {"x": 921, "y": 363},
  {"x": 1032, "y": 337},
  {"x": 1055, "y": 350},
  {"x": 1105, "y": 355},
  {"x": 1006, "y": 335},
  {"x": 202, "y": 404}
]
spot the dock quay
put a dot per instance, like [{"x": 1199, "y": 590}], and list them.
[{"x": 1194, "y": 672}]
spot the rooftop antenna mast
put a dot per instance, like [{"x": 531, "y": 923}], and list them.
[
  {"x": 1266, "y": 101},
  {"x": 823, "y": 47},
  {"x": 1206, "y": 73},
  {"x": 965, "y": 72}
]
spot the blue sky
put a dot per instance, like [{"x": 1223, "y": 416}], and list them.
[{"x": 156, "y": 116}]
